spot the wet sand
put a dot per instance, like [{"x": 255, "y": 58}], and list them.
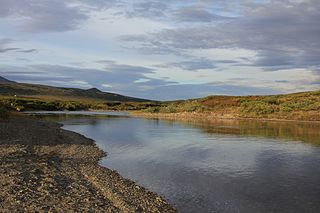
[{"x": 47, "y": 169}]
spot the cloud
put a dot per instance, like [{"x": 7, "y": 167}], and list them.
[
  {"x": 51, "y": 15},
  {"x": 197, "y": 14},
  {"x": 149, "y": 9},
  {"x": 5, "y": 42},
  {"x": 174, "y": 10},
  {"x": 3, "y": 50},
  {"x": 28, "y": 50},
  {"x": 44, "y": 15},
  {"x": 23, "y": 59},
  {"x": 284, "y": 34},
  {"x": 192, "y": 65},
  {"x": 114, "y": 67}
]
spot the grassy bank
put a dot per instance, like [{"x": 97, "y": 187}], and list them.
[
  {"x": 299, "y": 106},
  {"x": 56, "y": 103}
]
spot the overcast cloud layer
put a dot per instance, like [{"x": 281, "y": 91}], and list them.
[{"x": 163, "y": 49}]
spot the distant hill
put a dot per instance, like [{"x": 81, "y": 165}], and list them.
[
  {"x": 4, "y": 80},
  {"x": 11, "y": 88}
]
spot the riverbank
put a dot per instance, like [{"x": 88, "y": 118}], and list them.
[
  {"x": 210, "y": 116},
  {"x": 303, "y": 106},
  {"x": 47, "y": 169}
]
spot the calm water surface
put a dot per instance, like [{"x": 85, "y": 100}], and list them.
[{"x": 222, "y": 166}]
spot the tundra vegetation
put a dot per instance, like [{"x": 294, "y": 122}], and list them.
[
  {"x": 71, "y": 104},
  {"x": 297, "y": 106}
]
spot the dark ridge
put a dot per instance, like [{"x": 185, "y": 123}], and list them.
[
  {"x": 12, "y": 88},
  {"x": 93, "y": 90},
  {"x": 4, "y": 80}
]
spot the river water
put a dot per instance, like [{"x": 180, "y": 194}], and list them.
[{"x": 221, "y": 166}]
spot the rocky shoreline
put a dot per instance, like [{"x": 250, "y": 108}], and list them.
[{"x": 47, "y": 169}]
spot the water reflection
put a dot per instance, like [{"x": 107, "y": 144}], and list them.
[
  {"x": 308, "y": 132},
  {"x": 221, "y": 166}
]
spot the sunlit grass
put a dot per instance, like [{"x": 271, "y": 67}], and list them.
[{"x": 304, "y": 106}]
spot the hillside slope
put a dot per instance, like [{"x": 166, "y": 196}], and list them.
[
  {"x": 21, "y": 89},
  {"x": 4, "y": 80},
  {"x": 21, "y": 96}
]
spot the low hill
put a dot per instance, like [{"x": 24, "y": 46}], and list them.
[
  {"x": 4, "y": 80},
  {"x": 22, "y": 89},
  {"x": 21, "y": 96}
]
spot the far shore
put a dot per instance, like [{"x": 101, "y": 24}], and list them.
[
  {"x": 207, "y": 117},
  {"x": 185, "y": 116}
]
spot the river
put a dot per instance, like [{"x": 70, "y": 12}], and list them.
[{"x": 221, "y": 166}]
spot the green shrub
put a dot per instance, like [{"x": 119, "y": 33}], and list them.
[
  {"x": 258, "y": 107},
  {"x": 190, "y": 107},
  {"x": 286, "y": 108},
  {"x": 152, "y": 109},
  {"x": 298, "y": 105},
  {"x": 112, "y": 104},
  {"x": 168, "y": 109},
  {"x": 271, "y": 100}
]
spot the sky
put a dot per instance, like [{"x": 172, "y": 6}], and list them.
[{"x": 163, "y": 50}]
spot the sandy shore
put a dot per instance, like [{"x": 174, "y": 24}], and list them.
[{"x": 47, "y": 169}]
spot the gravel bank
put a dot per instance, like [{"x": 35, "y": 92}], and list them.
[{"x": 47, "y": 169}]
